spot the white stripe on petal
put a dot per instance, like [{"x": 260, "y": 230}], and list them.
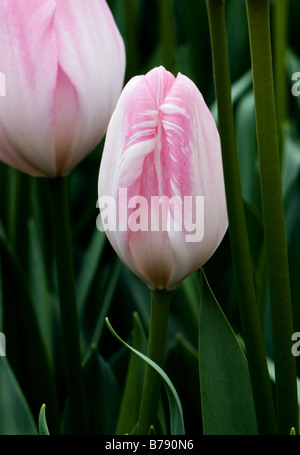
[{"x": 169, "y": 108}]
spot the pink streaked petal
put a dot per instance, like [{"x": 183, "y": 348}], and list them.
[
  {"x": 108, "y": 184},
  {"x": 153, "y": 256},
  {"x": 187, "y": 258},
  {"x": 178, "y": 114},
  {"x": 65, "y": 121},
  {"x": 159, "y": 81},
  {"x": 119, "y": 242},
  {"x": 195, "y": 169},
  {"x": 162, "y": 141},
  {"x": 28, "y": 51},
  {"x": 82, "y": 52},
  {"x": 135, "y": 121},
  {"x": 193, "y": 143}
]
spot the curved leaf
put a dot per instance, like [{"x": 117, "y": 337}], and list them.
[
  {"x": 176, "y": 414},
  {"x": 129, "y": 412},
  {"x": 15, "y": 416},
  {"x": 43, "y": 427}
]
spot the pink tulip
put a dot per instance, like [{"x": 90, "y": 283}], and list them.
[
  {"x": 64, "y": 64},
  {"x": 162, "y": 141}
]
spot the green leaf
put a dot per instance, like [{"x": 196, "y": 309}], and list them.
[
  {"x": 43, "y": 427},
  {"x": 15, "y": 415},
  {"x": 186, "y": 380},
  {"x": 130, "y": 406},
  {"x": 292, "y": 220},
  {"x": 106, "y": 302},
  {"x": 26, "y": 342},
  {"x": 89, "y": 266},
  {"x": 102, "y": 395},
  {"x": 247, "y": 150},
  {"x": 291, "y": 159},
  {"x": 40, "y": 288},
  {"x": 226, "y": 397},
  {"x": 176, "y": 413}
]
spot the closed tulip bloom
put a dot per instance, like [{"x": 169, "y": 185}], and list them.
[
  {"x": 64, "y": 64},
  {"x": 162, "y": 144}
]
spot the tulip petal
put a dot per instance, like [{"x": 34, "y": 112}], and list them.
[
  {"x": 195, "y": 168},
  {"x": 65, "y": 121},
  {"x": 29, "y": 61},
  {"x": 153, "y": 255},
  {"x": 82, "y": 54},
  {"x": 117, "y": 169}
]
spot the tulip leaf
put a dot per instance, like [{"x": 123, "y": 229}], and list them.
[
  {"x": 90, "y": 263},
  {"x": 176, "y": 413},
  {"x": 15, "y": 415},
  {"x": 247, "y": 150},
  {"x": 102, "y": 395},
  {"x": 130, "y": 406},
  {"x": 38, "y": 383},
  {"x": 226, "y": 397},
  {"x": 43, "y": 427},
  {"x": 41, "y": 296},
  {"x": 106, "y": 302},
  {"x": 186, "y": 380}
]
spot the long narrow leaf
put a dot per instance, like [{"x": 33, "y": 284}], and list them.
[
  {"x": 129, "y": 412},
  {"x": 176, "y": 413}
]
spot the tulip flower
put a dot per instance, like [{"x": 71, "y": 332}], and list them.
[
  {"x": 161, "y": 189},
  {"x": 64, "y": 64}
]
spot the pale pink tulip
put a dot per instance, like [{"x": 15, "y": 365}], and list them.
[
  {"x": 64, "y": 64},
  {"x": 162, "y": 141}
]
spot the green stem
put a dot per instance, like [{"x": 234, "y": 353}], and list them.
[
  {"x": 167, "y": 34},
  {"x": 68, "y": 303},
  {"x": 273, "y": 214},
  {"x": 19, "y": 213},
  {"x": 280, "y": 25},
  {"x": 249, "y": 313},
  {"x": 160, "y": 307},
  {"x": 131, "y": 32}
]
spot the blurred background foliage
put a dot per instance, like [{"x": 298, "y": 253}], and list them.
[{"x": 175, "y": 34}]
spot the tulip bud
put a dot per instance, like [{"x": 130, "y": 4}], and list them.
[
  {"x": 64, "y": 65},
  {"x": 161, "y": 188}
]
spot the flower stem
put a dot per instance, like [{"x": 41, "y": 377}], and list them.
[
  {"x": 273, "y": 214},
  {"x": 160, "y": 307},
  {"x": 132, "y": 44},
  {"x": 167, "y": 34},
  {"x": 280, "y": 26},
  {"x": 249, "y": 312},
  {"x": 68, "y": 303}
]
